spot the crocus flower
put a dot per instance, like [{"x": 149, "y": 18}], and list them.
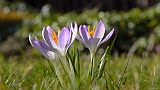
[
  {"x": 93, "y": 39},
  {"x": 53, "y": 43}
]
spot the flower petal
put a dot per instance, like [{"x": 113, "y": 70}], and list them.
[
  {"x": 108, "y": 36},
  {"x": 82, "y": 41},
  {"x": 47, "y": 36},
  {"x": 43, "y": 44},
  {"x": 51, "y": 55},
  {"x": 79, "y": 39},
  {"x": 92, "y": 44},
  {"x": 64, "y": 38},
  {"x": 83, "y": 31},
  {"x": 42, "y": 48},
  {"x": 74, "y": 30},
  {"x": 100, "y": 30}
]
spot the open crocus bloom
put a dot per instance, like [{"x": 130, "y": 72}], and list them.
[
  {"x": 92, "y": 39},
  {"x": 53, "y": 43}
]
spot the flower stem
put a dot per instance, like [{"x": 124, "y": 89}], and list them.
[
  {"x": 91, "y": 68},
  {"x": 70, "y": 74},
  {"x": 92, "y": 65},
  {"x": 58, "y": 74}
]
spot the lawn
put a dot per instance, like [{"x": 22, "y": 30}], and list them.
[{"x": 36, "y": 73}]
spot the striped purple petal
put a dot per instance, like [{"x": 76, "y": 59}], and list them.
[
  {"x": 100, "y": 30},
  {"x": 64, "y": 38},
  {"x": 92, "y": 43},
  {"x": 108, "y": 36},
  {"x": 42, "y": 48},
  {"x": 47, "y": 36},
  {"x": 83, "y": 31}
]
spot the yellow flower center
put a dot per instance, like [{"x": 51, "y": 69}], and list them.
[
  {"x": 91, "y": 32},
  {"x": 54, "y": 36}
]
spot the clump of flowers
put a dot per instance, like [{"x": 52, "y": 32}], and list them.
[{"x": 53, "y": 45}]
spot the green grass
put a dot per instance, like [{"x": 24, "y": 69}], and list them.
[{"x": 35, "y": 73}]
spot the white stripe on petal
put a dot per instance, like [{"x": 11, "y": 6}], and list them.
[{"x": 74, "y": 30}]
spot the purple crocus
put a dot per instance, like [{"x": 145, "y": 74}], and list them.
[
  {"x": 93, "y": 39},
  {"x": 53, "y": 43}
]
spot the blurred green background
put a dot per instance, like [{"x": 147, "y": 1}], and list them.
[{"x": 136, "y": 23}]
